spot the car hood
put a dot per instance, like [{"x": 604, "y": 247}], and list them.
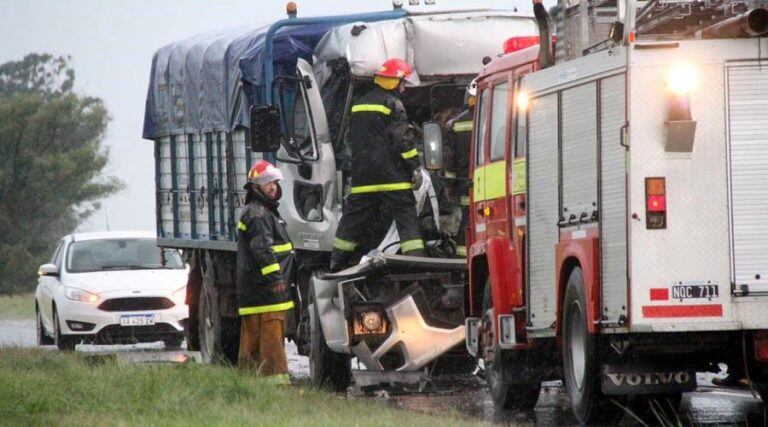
[{"x": 128, "y": 280}]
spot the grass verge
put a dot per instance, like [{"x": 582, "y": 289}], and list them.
[
  {"x": 50, "y": 388},
  {"x": 17, "y": 306}
]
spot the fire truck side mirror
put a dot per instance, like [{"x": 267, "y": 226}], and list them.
[
  {"x": 433, "y": 145},
  {"x": 265, "y": 129}
]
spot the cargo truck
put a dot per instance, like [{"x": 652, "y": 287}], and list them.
[{"x": 218, "y": 102}]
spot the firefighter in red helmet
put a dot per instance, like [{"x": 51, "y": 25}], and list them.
[
  {"x": 384, "y": 164},
  {"x": 264, "y": 276}
]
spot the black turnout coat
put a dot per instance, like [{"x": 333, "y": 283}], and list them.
[{"x": 265, "y": 257}]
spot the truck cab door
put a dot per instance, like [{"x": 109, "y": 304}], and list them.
[{"x": 310, "y": 206}]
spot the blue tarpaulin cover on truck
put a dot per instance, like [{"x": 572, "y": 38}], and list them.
[{"x": 193, "y": 82}]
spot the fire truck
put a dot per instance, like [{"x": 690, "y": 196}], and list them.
[{"x": 618, "y": 237}]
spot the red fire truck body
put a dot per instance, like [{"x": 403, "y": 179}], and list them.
[{"x": 618, "y": 233}]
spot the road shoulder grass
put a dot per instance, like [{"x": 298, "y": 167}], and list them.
[
  {"x": 17, "y": 306},
  {"x": 40, "y": 387}
]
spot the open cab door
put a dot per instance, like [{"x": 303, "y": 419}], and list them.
[{"x": 310, "y": 204}]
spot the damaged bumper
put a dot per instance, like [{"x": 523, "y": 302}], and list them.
[{"x": 414, "y": 299}]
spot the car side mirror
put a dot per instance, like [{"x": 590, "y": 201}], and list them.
[
  {"x": 48, "y": 270},
  {"x": 433, "y": 145},
  {"x": 265, "y": 129}
]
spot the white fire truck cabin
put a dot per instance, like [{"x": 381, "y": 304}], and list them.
[{"x": 646, "y": 200}]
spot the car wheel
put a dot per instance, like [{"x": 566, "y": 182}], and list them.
[
  {"x": 512, "y": 385},
  {"x": 580, "y": 359},
  {"x": 63, "y": 342},
  {"x": 328, "y": 370},
  {"x": 42, "y": 337}
]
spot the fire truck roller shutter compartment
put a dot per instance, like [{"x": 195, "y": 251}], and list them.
[
  {"x": 613, "y": 199},
  {"x": 542, "y": 209},
  {"x": 748, "y": 155}
]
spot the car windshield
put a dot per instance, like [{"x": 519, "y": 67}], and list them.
[{"x": 120, "y": 254}]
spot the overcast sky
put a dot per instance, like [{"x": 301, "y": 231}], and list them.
[{"x": 111, "y": 43}]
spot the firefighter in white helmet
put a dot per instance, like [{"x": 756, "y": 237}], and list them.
[{"x": 264, "y": 276}]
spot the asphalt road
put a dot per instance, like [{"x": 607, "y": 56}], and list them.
[{"x": 708, "y": 405}]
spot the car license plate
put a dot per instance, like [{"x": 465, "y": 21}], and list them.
[
  {"x": 695, "y": 291},
  {"x": 137, "y": 320}
]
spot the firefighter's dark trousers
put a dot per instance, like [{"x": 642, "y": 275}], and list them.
[
  {"x": 262, "y": 346},
  {"x": 359, "y": 213}
]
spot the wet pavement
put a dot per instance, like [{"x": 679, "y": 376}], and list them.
[
  {"x": 707, "y": 406},
  {"x": 465, "y": 398}
]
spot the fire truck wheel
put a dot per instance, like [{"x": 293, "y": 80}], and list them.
[
  {"x": 512, "y": 381},
  {"x": 328, "y": 370},
  {"x": 580, "y": 359}
]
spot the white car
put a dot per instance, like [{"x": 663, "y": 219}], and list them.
[{"x": 111, "y": 288}]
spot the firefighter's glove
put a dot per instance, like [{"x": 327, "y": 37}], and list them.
[
  {"x": 278, "y": 288},
  {"x": 417, "y": 179}
]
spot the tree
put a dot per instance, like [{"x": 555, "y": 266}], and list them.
[{"x": 51, "y": 159}]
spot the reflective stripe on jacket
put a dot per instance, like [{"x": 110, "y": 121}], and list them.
[
  {"x": 384, "y": 153},
  {"x": 459, "y": 140},
  {"x": 264, "y": 258}
]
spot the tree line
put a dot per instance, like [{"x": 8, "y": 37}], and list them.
[{"x": 51, "y": 162}]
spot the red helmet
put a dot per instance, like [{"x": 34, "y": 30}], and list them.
[
  {"x": 262, "y": 172},
  {"x": 397, "y": 68}
]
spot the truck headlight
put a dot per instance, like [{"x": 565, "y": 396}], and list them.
[
  {"x": 372, "y": 321},
  {"x": 80, "y": 295}
]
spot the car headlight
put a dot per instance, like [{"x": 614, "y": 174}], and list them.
[{"x": 80, "y": 295}]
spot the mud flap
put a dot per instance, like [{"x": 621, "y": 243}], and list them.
[
  {"x": 507, "y": 337},
  {"x": 472, "y": 328},
  {"x": 646, "y": 379}
]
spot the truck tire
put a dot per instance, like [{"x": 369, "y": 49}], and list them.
[
  {"x": 580, "y": 359},
  {"x": 512, "y": 384},
  {"x": 328, "y": 370},
  {"x": 219, "y": 336}
]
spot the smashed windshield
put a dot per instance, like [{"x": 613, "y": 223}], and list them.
[{"x": 120, "y": 254}]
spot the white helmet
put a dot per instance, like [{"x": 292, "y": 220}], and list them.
[{"x": 472, "y": 87}]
